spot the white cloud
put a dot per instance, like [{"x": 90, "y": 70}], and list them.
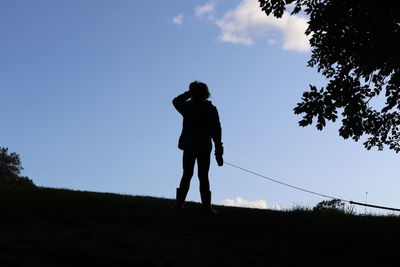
[
  {"x": 201, "y": 11},
  {"x": 178, "y": 19},
  {"x": 241, "y": 202},
  {"x": 247, "y": 21}
]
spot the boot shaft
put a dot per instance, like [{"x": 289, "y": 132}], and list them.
[
  {"x": 180, "y": 199},
  {"x": 206, "y": 202}
]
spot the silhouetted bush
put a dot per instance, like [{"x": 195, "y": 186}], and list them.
[
  {"x": 333, "y": 206},
  {"x": 10, "y": 170}
]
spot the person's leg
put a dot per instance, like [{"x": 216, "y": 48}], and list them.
[
  {"x": 203, "y": 163},
  {"x": 188, "y": 161}
]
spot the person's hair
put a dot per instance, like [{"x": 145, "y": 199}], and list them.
[{"x": 199, "y": 90}]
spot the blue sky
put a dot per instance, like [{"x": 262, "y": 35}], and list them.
[{"x": 86, "y": 90}]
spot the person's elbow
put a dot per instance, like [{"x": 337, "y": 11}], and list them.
[{"x": 175, "y": 102}]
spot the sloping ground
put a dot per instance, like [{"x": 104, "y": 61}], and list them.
[{"x": 53, "y": 227}]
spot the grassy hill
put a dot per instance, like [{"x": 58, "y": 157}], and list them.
[{"x": 54, "y": 227}]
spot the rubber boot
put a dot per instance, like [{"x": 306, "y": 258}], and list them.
[
  {"x": 206, "y": 201},
  {"x": 180, "y": 199}
]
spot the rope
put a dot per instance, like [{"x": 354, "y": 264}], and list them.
[
  {"x": 373, "y": 206},
  {"x": 309, "y": 191}
]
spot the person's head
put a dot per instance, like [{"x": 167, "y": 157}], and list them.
[{"x": 199, "y": 90}]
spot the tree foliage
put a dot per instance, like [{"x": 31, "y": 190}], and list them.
[
  {"x": 10, "y": 170},
  {"x": 355, "y": 45}
]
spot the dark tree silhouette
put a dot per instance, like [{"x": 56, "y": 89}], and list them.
[
  {"x": 355, "y": 45},
  {"x": 10, "y": 169}
]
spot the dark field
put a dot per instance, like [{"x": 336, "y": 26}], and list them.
[{"x": 53, "y": 227}]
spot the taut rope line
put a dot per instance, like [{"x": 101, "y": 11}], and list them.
[{"x": 309, "y": 191}]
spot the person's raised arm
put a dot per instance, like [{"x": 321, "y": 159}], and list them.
[{"x": 180, "y": 100}]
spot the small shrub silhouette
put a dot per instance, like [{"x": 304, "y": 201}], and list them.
[
  {"x": 334, "y": 206},
  {"x": 10, "y": 170}
]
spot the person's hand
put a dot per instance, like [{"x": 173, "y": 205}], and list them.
[
  {"x": 186, "y": 95},
  {"x": 219, "y": 151},
  {"x": 220, "y": 160}
]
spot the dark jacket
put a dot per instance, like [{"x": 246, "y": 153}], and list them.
[{"x": 200, "y": 123}]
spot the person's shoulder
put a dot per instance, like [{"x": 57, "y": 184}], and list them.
[
  {"x": 209, "y": 103},
  {"x": 211, "y": 107}
]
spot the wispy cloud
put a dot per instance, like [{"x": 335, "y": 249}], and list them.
[
  {"x": 246, "y": 22},
  {"x": 178, "y": 19},
  {"x": 241, "y": 202},
  {"x": 207, "y": 9}
]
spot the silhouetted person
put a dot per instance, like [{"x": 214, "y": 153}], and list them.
[{"x": 200, "y": 125}]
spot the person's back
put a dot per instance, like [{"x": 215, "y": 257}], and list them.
[{"x": 200, "y": 125}]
